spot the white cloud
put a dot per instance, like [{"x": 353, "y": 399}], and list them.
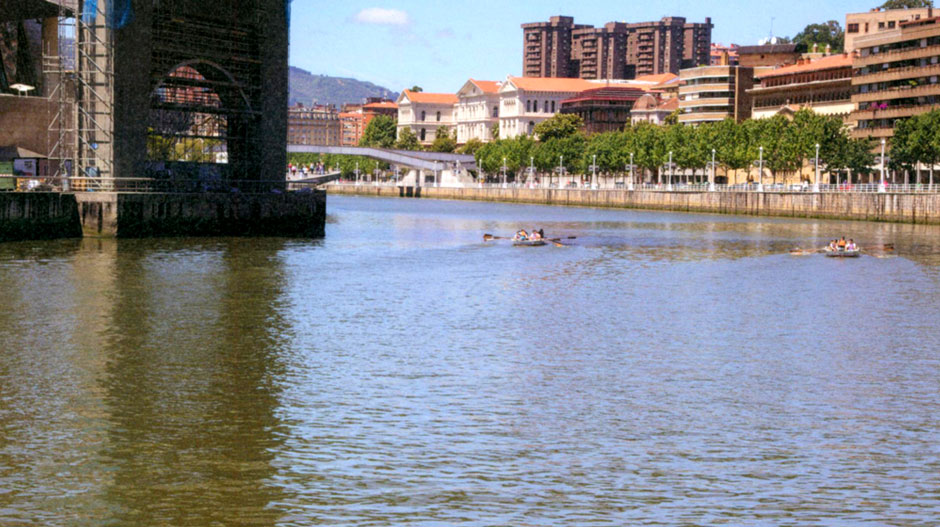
[{"x": 384, "y": 17}]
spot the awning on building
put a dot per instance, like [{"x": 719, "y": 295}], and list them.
[{"x": 9, "y": 153}]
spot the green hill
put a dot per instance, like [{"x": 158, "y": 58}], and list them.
[{"x": 308, "y": 88}]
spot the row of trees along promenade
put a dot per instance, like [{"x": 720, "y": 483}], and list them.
[{"x": 787, "y": 146}]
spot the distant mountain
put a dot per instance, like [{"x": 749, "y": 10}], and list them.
[{"x": 308, "y": 88}]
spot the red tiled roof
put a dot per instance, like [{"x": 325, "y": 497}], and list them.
[
  {"x": 671, "y": 104},
  {"x": 842, "y": 60},
  {"x": 387, "y": 104},
  {"x": 608, "y": 93},
  {"x": 551, "y": 84},
  {"x": 658, "y": 78},
  {"x": 431, "y": 98},
  {"x": 487, "y": 86}
]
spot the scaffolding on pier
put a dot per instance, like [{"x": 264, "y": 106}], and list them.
[{"x": 81, "y": 68}]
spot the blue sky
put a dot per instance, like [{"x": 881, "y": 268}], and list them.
[{"x": 440, "y": 44}]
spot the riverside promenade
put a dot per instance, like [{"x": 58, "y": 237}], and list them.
[{"x": 898, "y": 206}]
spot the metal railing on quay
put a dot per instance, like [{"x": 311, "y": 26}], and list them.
[
  {"x": 149, "y": 185},
  {"x": 859, "y": 188}
]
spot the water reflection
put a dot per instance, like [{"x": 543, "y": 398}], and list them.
[
  {"x": 664, "y": 369},
  {"x": 192, "y": 384}
]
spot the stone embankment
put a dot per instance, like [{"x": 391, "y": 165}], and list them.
[
  {"x": 38, "y": 216},
  {"x": 918, "y": 208},
  {"x": 41, "y": 215}
]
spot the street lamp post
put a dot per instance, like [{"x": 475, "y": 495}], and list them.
[
  {"x": 711, "y": 180},
  {"x": 816, "y": 181},
  {"x": 881, "y": 188},
  {"x": 532, "y": 168},
  {"x": 504, "y": 172},
  {"x": 760, "y": 175},
  {"x": 594, "y": 171},
  {"x": 357, "y": 173},
  {"x": 631, "y": 167},
  {"x": 670, "y": 166}
]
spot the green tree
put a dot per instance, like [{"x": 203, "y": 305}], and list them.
[
  {"x": 779, "y": 154},
  {"x": 416, "y": 89},
  {"x": 517, "y": 152},
  {"x": 471, "y": 147},
  {"x": 826, "y": 34},
  {"x": 380, "y": 133},
  {"x": 444, "y": 141},
  {"x": 915, "y": 142},
  {"x": 672, "y": 118},
  {"x": 853, "y": 154},
  {"x": 558, "y": 126},
  {"x": 649, "y": 144},
  {"x": 906, "y": 4},
  {"x": 566, "y": 150},
  {"x": 407, "y": 140},
  {"x": 494, "y": 131},
  {"x": 609, "y": 148}
]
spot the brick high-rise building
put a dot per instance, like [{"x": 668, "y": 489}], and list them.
[
  {"x": 547, "y": 47},
  {"x": 561, "y": 48},
  {"x": 657, "y": 47},
  {"x": 599, "y": 53},
  {"x": 697, "y": 44}
]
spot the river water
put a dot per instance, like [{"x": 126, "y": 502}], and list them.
[{"x": 662, "y": 369}]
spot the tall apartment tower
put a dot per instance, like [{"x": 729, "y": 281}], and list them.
[
  {"x": 600, "y": 53},
  {"x": 657, "y": 47},
  {"x": 561, "y": 48},
  {"x": 697, "y": 44},
  {"x": 547, "y": 47}
]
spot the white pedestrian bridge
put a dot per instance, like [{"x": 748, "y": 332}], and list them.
[{"x": 426, "y": 161}]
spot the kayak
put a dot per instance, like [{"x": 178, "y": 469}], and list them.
[
  {"x": 843, "y": 253},
  {"x": 528, "y": 243}
]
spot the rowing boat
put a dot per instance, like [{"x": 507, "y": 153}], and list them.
[
  {"x": 528, "y": 243},
  {"x": 843, "y": 253}
]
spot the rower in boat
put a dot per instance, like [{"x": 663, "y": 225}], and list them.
[{"x": 843, "y": 249}]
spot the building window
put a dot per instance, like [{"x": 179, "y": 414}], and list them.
[
  {"x": 852, "y": 28},
  {"x": 528, "y": 106},
  {"x": 545, "y": 107},
  {"x": 424, "y": 134},
  {"x": 531, "y": 127},
  {"x": 423, "y": 115},
  {"x": 438, "y": 116},
  {"x": 891, "y": 24},
  {"x": 496, "y": 111},
  {"x": 553, "y": 106}
]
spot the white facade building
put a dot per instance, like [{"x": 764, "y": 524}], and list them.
[
  {"x": 424, "y": 113},
  {"x": 477, "y": 110},
  {"x": 526, "y": 101}
]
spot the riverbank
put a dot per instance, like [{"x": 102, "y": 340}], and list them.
[
  {"x": 884, "y": 207},
  {"x": 51, "y": 215}
]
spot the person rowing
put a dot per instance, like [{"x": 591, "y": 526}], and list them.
[{"x": 851, "y": 245}]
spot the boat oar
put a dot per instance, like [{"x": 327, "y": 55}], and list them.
[{"x": 490, "y": 237}]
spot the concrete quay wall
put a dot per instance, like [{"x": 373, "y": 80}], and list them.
[
  {"x": 38, "y": 216},
  {"x": 131, "y": 215},
  {"x": 887, "y": 207},
  {"x": 49, "y": 215}
]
